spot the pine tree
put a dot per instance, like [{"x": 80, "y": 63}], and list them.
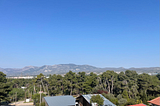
[{"x": 4, "y": 88}]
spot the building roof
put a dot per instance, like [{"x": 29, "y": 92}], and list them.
[
  {"x": 138, "y": 105},
  {"x": 155, "y": 101},
  {"x": 60, "y": 100},
  {"x": 106, "y": 101}
]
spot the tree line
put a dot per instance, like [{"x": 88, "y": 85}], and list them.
[{"x": 122, "y": 89}]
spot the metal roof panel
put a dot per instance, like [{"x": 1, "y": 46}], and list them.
[
  {"x": 60, "y": 100},
  {"x": 106, "y": 101}
]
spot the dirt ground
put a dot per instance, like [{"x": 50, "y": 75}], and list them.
[{"x": 21, "y": 103}]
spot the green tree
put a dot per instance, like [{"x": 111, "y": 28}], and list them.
[
  {"x": 40, "y": 80},
  {"x": 56, "y": 85},
  {"x": 97, "y": 99},
  {"x": 132, "y": 83},
  {"x": 122, "y": 102},
  {"x": 144, "y": 81},
  {"x": 36, "y": 98},
  {"x": 148, "y": 87},
  {"x": 121, "y": 83},
  {"x": 81, "y": 77},
  {"x": 18, "y": 93},
  {"x": 111, "y": 97},
  {"x": 144, "y": 97},
  {"x": 90, "y": 82},
  {"x": 4, "y": 87},
  {"x": 119, "y": 97},
  {"x": 158, "y": 76},
  {"x": 125, "y": 95},
  {"x": 70, "y": 82},
  {"x": 130, "y": 102},
  {"x": 109, "y": 78}
]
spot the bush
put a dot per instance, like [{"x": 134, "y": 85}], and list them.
[
  {"x": 122, "y": 102},
  {"x": 130, "y": 102},
  {"x": 42, "y": 104},
  {"x": 119, "y": 97},
  {"x": 111, "y": 97},
  {"x": 97, "y": 99},
  {"x": 36, "y": 97}
]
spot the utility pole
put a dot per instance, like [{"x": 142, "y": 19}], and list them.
[
  {"x": 31, "y": 95},
  {"x": 40, "y": 96},
  {"x": 28, "y": 93},
  {"x": 25, "y": 95},
  {"x": 15, "y": 98},
  {"x": 47, "y": 89},
  {"x": 34, "y": 90}
]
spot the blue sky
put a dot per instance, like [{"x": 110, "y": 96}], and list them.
[{"x": 102, "y": 33}]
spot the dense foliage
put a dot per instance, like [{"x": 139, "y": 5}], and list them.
[
  {"x": 97, "y": 99},
  {"x": 122, "y": 89},
  {"x": 4, "y": 88},
  {"x": 36, "y": 98}
]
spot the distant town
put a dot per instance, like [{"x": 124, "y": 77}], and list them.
[{"x": 47, "y": 76}]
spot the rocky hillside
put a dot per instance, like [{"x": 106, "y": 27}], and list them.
[{"x": 64, "y": 68}]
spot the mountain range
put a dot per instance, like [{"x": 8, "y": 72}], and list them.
[{"x": 64, "y": 68}]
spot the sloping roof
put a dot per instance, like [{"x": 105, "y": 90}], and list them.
[
  {"x": 155, "y": 101},
  {"x": 106, "y": 101},
  {"x": 138, "y": 105},
  {"x": 60, "y": 100}
]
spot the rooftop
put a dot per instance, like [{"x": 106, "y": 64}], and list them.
[
  {"x": 155, "y": 101},
  {"x": 106, "y": 101},
  {"x": 60, "y": 100},
  {"x": 138, "y": 105}
]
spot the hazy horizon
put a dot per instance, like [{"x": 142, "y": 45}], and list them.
[{"x": 77, "y": 64}]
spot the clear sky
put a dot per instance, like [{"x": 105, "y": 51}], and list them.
[{"x": 102, "y": 33}]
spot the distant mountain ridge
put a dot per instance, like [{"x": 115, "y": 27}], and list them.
[{"x": 64, "y": 68}]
